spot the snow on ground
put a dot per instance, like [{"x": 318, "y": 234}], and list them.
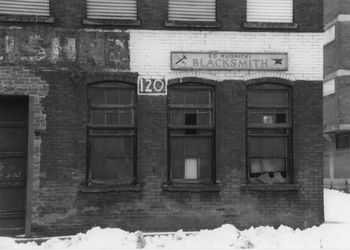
[{"x": 333, "y": 234}]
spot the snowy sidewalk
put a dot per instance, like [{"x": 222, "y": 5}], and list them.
[{"x": 333, "y": 234}]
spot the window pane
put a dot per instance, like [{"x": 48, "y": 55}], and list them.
[
  {"x": 267, "y": 147},
  {"x": 98, "y": 117},
  {"x": 112, "y": 95},
  {"x": 126, "y": 97},
  {"x": 191, "y": 165},
  {"x": 177, "y": 147},
  {"x": 265, "y": 98},
  {"x": 196, "y": 147},
  {"x": 126, "y": 117},
  {"x": 204, "y": 119},
  {"x": 203, "y": 97},
  {"x": 204, "y": 171},
  {"x": 112, "y": 117},
  {"x": 267, "y": 116},
  {"x": 111, "y": 157},
  {"x": 191, "y": 156},
  {"x": 176, "y": 97},
  {"x": 98, "y": 96},
  {"x": 125, "y": 168},
  {"x": 190, "y": 119},
  {"x": 190, "y": 97},
  {"x": 177, "y": 168},
  {"x": 177, "y": 118}
]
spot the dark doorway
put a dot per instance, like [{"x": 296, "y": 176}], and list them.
[{"x": 13, "y": 163}]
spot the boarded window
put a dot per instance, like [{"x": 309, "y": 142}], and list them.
[
  {"x": 25, "y": 7},
  {"x": 274, "y": 11},
  {"x": 111, "y": 133},
  {"x": 192, "y": 10},
  {"x": 112, "y": 9},
  {"x": 191, "y": 132},
  {"x": 269, "y": 134}
]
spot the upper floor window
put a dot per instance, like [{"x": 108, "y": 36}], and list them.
[
  {"x": 112, "y": 9},
  {"x": 191, "y": 133},
  {"x": 192, "y": 10},
  {"x": 271, "y": 11},
  {"x": 111, "y": 133},
  {"x": 25, "y": 7},
  {"x": 342, "y": 141},
  {"x": 269, "y": 134}
]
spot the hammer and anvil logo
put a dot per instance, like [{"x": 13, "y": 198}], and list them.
[{"x": 180, "y": 59}]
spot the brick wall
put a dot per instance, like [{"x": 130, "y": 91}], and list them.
[
  {"x": 63, "y": 209},
  {"x": 23, "y": 81},
  {"x": 153, "y": 13},
  {"x": 67, "y": 58}
]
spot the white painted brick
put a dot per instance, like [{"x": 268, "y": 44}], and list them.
[{"x": 150, "y": 51}]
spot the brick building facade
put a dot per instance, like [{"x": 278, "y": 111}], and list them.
[
  {"x": 225, "y": 145},
  {"x": 336, "y": 105}
]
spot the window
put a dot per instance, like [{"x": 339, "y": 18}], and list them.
[
  {"x": 191, "y": 133},
  {"x": 329, "y": 87},
  {"x": 342, "y": 141},
  {"x": 273, "y": 11},
  {"x": 25, "y": 7},
  {"x": 192, "y": 10},
  {"x": 269, "y": 132},
  {"x": 111, "y": 133},
  {"x": 112, "y": 9}
]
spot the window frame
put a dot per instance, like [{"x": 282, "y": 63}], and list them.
[
  {"x": 289, "y": 130},
  {"x": 193, "y": 85},
  {"x": 293, "y": 25},
  {"x": 192, "y": 24},
  {"x": 23, "y": 18},
  {"x": 112, "y": 22},
  {"x": 119, "y": 85}
]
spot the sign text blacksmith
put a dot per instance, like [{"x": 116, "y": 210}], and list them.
[{"x": 229, "y": 61}]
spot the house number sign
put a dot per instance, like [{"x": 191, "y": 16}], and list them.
[{"x": 149, "y": 86}]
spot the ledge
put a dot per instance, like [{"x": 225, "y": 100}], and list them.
[
  {"x": 109, "y": 188},
  {"x": 271, "y": 26},
  {"x": 191, "y": 24},
  {"x": 26, "y": 19},
  {"x": 270, "y": 187},
  {"x": 192, "y": 187},
  {"x": 109, "y": 22}
]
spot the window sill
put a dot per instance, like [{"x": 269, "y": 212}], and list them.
[
  {"x": 270, "y": 26},
  {"x": 109, "y": 188},
  {"x": 191, "y": 24},
  {"x": 109, "y": 22},
  {"x": 192, "y": 187},
  {"x": 26, "y": 19},
  {"x": 270, "y": 187}
]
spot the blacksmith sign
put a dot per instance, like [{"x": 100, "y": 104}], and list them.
[{"x": 229, "y": 61}]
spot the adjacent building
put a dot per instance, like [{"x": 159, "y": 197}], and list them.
[
  {"x": 159, "y": 115},
  {"x": 336, "y": 92}
]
